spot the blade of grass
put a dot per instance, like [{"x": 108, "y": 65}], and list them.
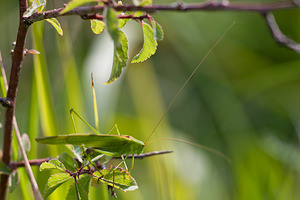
[
  {"x": 46, "y": 111},
  {"x": 73, "y": 91}
]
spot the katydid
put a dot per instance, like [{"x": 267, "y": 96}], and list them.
[{"x": 118, "y": 145}]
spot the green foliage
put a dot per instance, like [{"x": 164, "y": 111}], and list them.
[
  {"x": 97, "y": 26},
  {"x": 4, "y": 169},
  {"x": 150, "y": 44},
  {"x": 74, "y": 4},
  {"x": 80, "y": 190},
  {"x": 142, "y": 2},
  {"x": 13, "y": 181},
  {"x": 55, "y": 23},
  {"x": 52, "y": 164},
  {"x": 120, "y": 56},
  {"x": 157, "y": 31},
  {"x": 33, "y": 8},
  {"x": 55, "y": 181},
  {"x": 112, "y": 23},
  {"x": 119, "y": 179}
]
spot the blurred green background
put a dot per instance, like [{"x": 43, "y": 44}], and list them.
[{"x": 243, "y": 101}]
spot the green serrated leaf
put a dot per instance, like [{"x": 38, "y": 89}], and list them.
[
  {"x": 142, "y": 2},
  {"x": 13, "y": 181},
  {"x": 158, "y": 33},
  {"x": 75, "y": 3},
  {"x": 149, "y": 46},
  {"x": 97, "y": 26},
  {"x": 120, "y": 179},
  {"x": 55, "y": 23},
  {"x": 120, "y": 56},
  {"x": 80, "y": 190},
  {"x": 55, "y": 181},
  {"x": 52, "y": 164},
  {"x": 4, "y": 169},
  {"x": 112, "y": 24}
]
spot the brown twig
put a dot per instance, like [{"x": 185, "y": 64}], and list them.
[
  {"x": 278, "y": 35},
  {"x": 17, "y": 60},
  {"x": 35, "y": 162},
  {"x": 178, "y": 7}
]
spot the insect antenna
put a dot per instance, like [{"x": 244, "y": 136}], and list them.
[{"x": 187, "y": 80}]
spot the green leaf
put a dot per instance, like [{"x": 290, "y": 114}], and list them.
[
  {"x": 80, "y": 190},
  {"x": 142, "y": 2},
  {"x": 13, "y": 181},
  {"x": 55, "y": 23},
  {"x": 4, "y": 169},
  {"x": 55, "y": 181},
  {"x": 43, "y": 4},
  {"x": 75, "y": 3},
  {"x": 31, "y": 9},
  {"x": 112, "y": 24},
  {"x": 149, "y": 46},
  {"x": 68, "y": 161},
  {"x": 97, "y": 26},
  {"x": 120, "y": 56},
  {"x": 157, "y": 31},
  {"x": 77, "y": 153},
  {"x": 120, "y": 179},
  {"x": 52, "y": 164}
]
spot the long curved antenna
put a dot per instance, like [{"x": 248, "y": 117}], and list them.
[
  {"x": 214, "y": 151},
  {"x": 187, "y": 80}
]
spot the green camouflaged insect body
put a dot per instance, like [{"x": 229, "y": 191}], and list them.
[{"x": 110, "y": 145}]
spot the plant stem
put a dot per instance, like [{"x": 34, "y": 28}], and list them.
[{"x": 17, "y": 60}]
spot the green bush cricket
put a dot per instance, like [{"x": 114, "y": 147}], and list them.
[{"x": 119, "y": 145}]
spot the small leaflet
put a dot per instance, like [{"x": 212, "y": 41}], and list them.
[
  {"x": 42, "y": 4},
  {"x": 4, "y": 169},
  {"x": 52, "y": 164},
  {"x": 54, "y": 22},
  {"x": 74, "y": 4},
  {"x": 38, "y": 5},
  {"x": 97, "y": 26},
  {"x": 31, "y": 9},
  {"x": 158, "y": 33},
  {"x": 142, "y": 2},
  {"x": 120, "y": 179},
  {"x": 120, "y": 56},
  {"x": 55, "y": 181},
  {"x": 13, "y": 181},
  {"x": 149, "y": 46}
]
